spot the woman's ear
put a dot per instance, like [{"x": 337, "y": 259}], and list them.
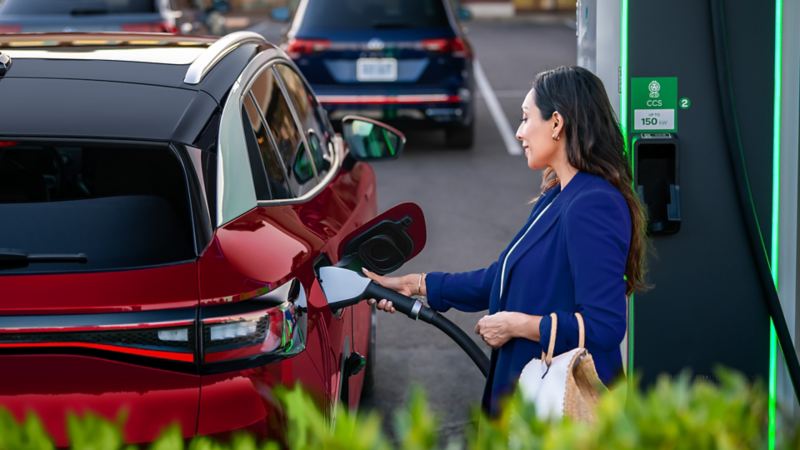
[{"x": 558, "y": 125}]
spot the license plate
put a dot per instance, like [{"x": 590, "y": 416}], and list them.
[{"x": 376, "y": 69}]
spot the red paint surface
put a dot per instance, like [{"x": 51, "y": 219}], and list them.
[
  {"x": 54, "y": 385},
  {"x": 265, "y": 247}
]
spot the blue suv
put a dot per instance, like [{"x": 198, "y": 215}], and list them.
[{"x": 406, "y": 62}]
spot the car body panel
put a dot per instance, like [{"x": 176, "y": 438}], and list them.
[
  {"x": 297, "y": 238},
  {"x": 414, "y": 64},
  {"x": 55, "y": 385},
  {"x": 171, "y": 286}
]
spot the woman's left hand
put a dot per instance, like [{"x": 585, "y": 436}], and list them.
[{"x": 498, "y": 328}]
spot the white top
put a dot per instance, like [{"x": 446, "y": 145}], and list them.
[{"x": 505, "y": 260}]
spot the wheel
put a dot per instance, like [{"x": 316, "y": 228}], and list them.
[
  {"x": 460, "y": 136},
  {"x": 369, "y": 371}
]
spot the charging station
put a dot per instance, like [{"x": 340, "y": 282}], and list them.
[{"x": 706, "y": 92}]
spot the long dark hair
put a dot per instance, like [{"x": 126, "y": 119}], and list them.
[{"x": 594, "y": 145}]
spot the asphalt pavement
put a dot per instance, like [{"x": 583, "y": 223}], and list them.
[{"x": 474, "y": 202}]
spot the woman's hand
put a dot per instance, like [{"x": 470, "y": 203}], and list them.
[
  {"x": 499, "y": 328},
  {"x": 407, "y": 285}
]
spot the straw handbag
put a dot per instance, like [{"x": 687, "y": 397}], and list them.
[{"x": 565, "y": 385}]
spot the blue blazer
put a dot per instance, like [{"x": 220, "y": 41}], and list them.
[{"x": 572, "y": 260}]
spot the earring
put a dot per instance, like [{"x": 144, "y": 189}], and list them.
[{"x": 556, "y": 137}]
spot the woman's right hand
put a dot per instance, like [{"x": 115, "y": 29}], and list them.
[{"x": 407, "y": 285}]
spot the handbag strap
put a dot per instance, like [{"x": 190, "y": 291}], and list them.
[
  {"x": 581, "y": 330},
  {"x": 548, "y": 357},
  {"x": 551, "y": 346}
]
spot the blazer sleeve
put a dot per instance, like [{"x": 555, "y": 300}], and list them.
[
  {"x": 465, "y": 291},
  {"x": 598, "y": 234}
]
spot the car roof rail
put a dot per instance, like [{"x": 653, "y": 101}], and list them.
[
  {"x": 99, "y": 39},
  {"x": 214, "y": 54}
]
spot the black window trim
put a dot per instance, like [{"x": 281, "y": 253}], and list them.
[
  {"x": 307, "y": 132},
  {"x": 266, "y": 59},
  {"x": 269, "y": 134},
  {"x": 297, "y": 123},
  {"x": 195, "y": 209},
  {"x": 281, "y": 87}
]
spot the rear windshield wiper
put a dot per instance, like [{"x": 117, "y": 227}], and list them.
[
  {"x": 16, "y": 258},
  {"x": 88, "y": 12},
  {"x": 379, "y": 25}
]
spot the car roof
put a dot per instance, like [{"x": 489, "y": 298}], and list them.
[{"x": 118, "y": 85}]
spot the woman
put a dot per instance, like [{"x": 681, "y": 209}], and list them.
[{"x": 582, "y": 248}]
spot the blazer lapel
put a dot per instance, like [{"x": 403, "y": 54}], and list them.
[{"x": 545, "y": 223}]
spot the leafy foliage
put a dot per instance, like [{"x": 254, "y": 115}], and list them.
[{"x": 675, "y": 414}]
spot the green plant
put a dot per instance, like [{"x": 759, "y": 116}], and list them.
[
  {"x": 675, "y": 414},
  {"x": 678, "y": 413},
  {"x": 29, "y": 435}
]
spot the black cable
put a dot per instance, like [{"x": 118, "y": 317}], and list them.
[
  {"x": 742, "y": 182},
  {"x": 456, "y": 334},
  {"x": 414, "y": 309}
]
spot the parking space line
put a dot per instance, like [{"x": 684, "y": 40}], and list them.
[{"x": 500, "y": 120}]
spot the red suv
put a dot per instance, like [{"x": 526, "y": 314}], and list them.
[{"x": 164, "y": 204}]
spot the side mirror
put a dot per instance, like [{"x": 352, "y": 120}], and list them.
[
  {"x": 370, "y": 140},
  {"x": 386, "y": 242},
  {"x": 464, "y": 13},
  {"x": 280, "y": 14},
  {"x": 301, "y": 167}
]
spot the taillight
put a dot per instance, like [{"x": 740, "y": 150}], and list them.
[
  {"x": 257, "y": 328},
  {"x": 5, "y": 28},
  {"x": 6, "y": 144},
  {"x": 245, "y": 335},
  {"x": 436, "y": 45},
  {"x": 299, "y": 47},
  {"x": 457, "y": 47},
  {"x": 150, "y": 27},
  {"x": 165, "y": 335},
  {"x": 268, "y": 326}
]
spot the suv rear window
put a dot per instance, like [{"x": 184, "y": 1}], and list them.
[
  {"x": 76, "y": 7},
  {"x": 374, "y": 14},
  {"x": 122, "y": 206}
]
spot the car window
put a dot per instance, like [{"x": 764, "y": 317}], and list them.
[
  {"x": 264, "y": 155},
  {"x": 377, "y": 14},
  {"x": 286, "y": 136},
  {"x": 312, "y": 116},
  {"x": 236, "y": 190},
  {"x": 123, "y": 206},
  {"x": 76, "y": 7}
]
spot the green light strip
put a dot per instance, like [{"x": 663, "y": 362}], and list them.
[
  {"x": 623, "y": 66},
  {"x": 776, "y": 199},
  {"x": 623, "y": 123}
]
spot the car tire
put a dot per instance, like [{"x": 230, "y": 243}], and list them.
[
  {"x": 460, "y": 136},
  {"x": 369, "y": 372}
]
